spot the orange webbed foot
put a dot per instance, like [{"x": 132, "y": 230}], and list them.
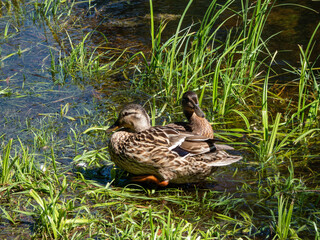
[{"x": 150, "y": 178}]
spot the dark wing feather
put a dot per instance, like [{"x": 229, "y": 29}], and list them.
[
  {"x": 181, "y": 142},
  {"x": 180, "y": 126},
  {"x": 185, "y": 143}
]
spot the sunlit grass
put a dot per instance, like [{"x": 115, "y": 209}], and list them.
[
  {"x": 84, "y": 62},
  {"x": 53, "y": 213},
  {"x": 56, "y": 174},
  {"x": 196, "y": 58},
  {"x": 282, "y": 229},
  {"x": 88, "y": 203},
  {"x": 6, "y": 164},
  {"x": 234, "y": 73},
  {"x": 308, "y": 76}
]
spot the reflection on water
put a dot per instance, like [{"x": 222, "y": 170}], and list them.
[
  {"x": 26, "y": 77},
  {"x": 293, "y": 24}
]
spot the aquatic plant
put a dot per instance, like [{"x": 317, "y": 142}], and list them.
[
  {"x": 6, "y": 164},
  {"x": 199, "y": 59},
  {"x": 308, "y": 78},
  {"x": 283, "y": 230},
  {"x": 56, "y": 179},
  {"x": 52, "y": 214},
  {"x": 81, "y": 62}
]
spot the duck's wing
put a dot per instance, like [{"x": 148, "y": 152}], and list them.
[
  {"x": 188, "y": 144},
  {"x": 220, "y": 158},
  {"x": 172, "y": 136},
  {"x": 160, "y": 136},
  {"x": 182, "y": 142},
  {"x": 180, "y": 126},
  {"x": 196, "y": 145}
]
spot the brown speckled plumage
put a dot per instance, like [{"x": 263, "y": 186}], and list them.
[{"x": 168, "y": 154}]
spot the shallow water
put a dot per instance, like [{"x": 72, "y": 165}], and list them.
[
  {"x": 126, "y": 25},
  {"x": 29, "y": 94},
  {"x": 29, "y": 91}
]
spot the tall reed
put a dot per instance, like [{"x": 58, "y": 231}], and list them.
[
  {"x": 309, "y": 90},
  {"x": 197, "y": 57},
  {"x": 283, "y": 229},
  {"x": 6, "y": 164}
]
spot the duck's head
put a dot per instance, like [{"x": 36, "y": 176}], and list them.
[
  {"x": 190, "y": 105},
  {"x": 133, "y": 117}
]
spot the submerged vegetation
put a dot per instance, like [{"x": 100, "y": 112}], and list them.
[{"x": 59, "y": 91}]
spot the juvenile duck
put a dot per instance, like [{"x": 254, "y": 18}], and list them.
[
  {"x": 197, "y": 123},
  {"x": 163, "y": 154}
]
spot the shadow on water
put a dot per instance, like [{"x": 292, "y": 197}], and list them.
[{"x": 223, "y": 179}]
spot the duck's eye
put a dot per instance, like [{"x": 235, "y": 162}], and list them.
[{"x": 124, "y": 114}]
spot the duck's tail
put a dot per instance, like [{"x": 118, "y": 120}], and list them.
[{"x": 222, "y": 158}]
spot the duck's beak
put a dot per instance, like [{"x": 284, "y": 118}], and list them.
[
  {"x": 113, "y": 127},
  {"x": 198, "y": 111}
]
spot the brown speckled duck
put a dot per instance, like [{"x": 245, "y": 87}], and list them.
[
  {"x": 197, "y": 123},
  {"x": 162, "y": 154}
]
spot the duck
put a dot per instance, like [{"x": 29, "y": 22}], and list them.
[
  {"x": 163, "y": 154},
  {"x": 197, "y": 123}
]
